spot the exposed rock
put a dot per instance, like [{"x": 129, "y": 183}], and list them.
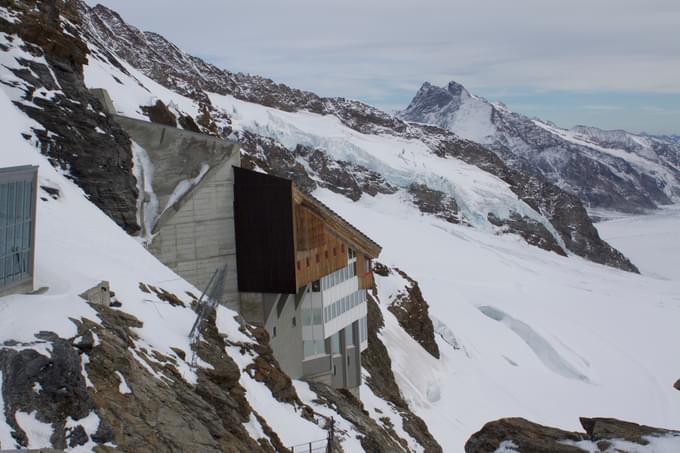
[
  {"x": 188, "y": 123},
  {"x": 374, "y": 438},
  {"x": 518, "y": 434},
  {"x": 77, "y": 136},
  {"x": 62, "y": 388},
  {"x": 534, "y": 232},
  {"x": 677, "y": 384},
  {"x": 564, "y": 210},
  {"x": 343, "y": 177},
  {"x": 380, "y": 379},
  {"x": 523, "y": 436},
  {"x": 165, "y": 413},
  {"x": 435, "y": 202},
  {"x": 159, "y": 113},
  {"x": 412, "y": 311}
]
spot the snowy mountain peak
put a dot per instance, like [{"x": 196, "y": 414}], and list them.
[
  {"x": 451, "y": 107},
  {"x": 614, "y": 170}
]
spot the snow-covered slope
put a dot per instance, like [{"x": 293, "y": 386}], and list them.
[
  {"x": 521, "y": 331},
  {"x": 77, "y": 247},
  {"x": 537, "y": 336},
  {"x": 606, "y": 169}
]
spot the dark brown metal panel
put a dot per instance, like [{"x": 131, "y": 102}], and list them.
[{"x": 265, "y": 245}]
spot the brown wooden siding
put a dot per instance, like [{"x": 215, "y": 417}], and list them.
[
  {"x": 265, "y": 244},
  {"x": 318, "y": 250},
  {"x": 365, "y": 274}
]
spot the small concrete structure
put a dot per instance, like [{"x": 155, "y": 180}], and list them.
[
  {"x": 99, "y": 294},
  {"x": 18, "y": 191},
  {"x": 188, "y": 213}
]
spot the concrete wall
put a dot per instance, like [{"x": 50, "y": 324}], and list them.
[
  {"x": 195, "y": 235},
  {"x": 287, "y": 342},
  {"x": 199, "y": 237}
]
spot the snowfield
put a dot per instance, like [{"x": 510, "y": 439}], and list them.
[
  {"x": 651, "y": 241},
  {"x": 541, "y": 336}
]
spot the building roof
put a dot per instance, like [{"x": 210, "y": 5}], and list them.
[{"x": 339, "y": 224}]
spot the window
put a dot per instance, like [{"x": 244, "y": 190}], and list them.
[
  {"x": 274, "y": 332},
  {"x": 313, "y": 348},
  {"x": 17, "y": 197},
  {"x": 342, "y": 248},
  {"x": 349, "y": 336},
  {"x": 307, "y": 259},
  {"x": 335, "y": 251},
  {"x": 325, "y": 254},
  {"x": 335, "y": 343},
  {"x": 317, "y": 257},
  {"x": 294, "y": 321},
  {"x": 298, "y": 265}
]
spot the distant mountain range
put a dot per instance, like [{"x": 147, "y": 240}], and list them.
[{"x": 614, "y": 170}]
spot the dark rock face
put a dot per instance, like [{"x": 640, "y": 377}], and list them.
[
  {"x": 62, "y": 391},
  {"x": 518, "y": 434},
  {"x": 159, "y": 113},
  {"x": 564, "y": 210},
  {"x": 434, "y": 202},
  {"x": 535, "y": 233},
  {"x": 677, "y": 385},
  {"x": 166, "y": 414},
  {"x": 77, "y": 136},
  {"x": 344, "y": 178},
  {"x": 412, "y": 311},
  {"x": 376, "y": 361}
]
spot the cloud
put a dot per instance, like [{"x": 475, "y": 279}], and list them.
[
  {"x": 385, "y": 49},
  {"x": 602, "y": 107}
]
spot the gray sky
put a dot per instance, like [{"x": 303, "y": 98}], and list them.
[{"x": 607, "y": 63}]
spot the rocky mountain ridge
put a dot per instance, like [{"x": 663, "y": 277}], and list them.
[
  {"x": 173, "y": 68},
  {"x": 613, "y": 170}
]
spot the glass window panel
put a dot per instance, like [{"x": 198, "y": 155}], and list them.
[
  {"x": 335, "y": 343},
  {"x": 3, "y": 204},
  {"x": 320, "y": 347},
  {"x": 2, "y": 270},
  {"x": 11, "y": 202},
  {"x": 308, "y": 348},
  {"x": 19, "y": 213},
  {"x": 26, "y": 235},
  {"x": 349, "y": 336},
  {"x": 9, "y": 272}
]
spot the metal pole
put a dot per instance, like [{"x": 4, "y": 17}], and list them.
[{"x": 331, "y": 435}]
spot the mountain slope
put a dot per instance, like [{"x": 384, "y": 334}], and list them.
[
  {"x": 278, "y": 120},
  {"x": 520, "y": 331},
  {"x": 613, "y": 170}
]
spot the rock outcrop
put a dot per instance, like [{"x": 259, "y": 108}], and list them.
[
  {"x": 76, "y": 135},
  {"x": 380, "y": 379},
  {"x": 435, "y": 202},
  {"x": 412, "y": 311},
  {"x": 534, "y": 232},
  {"x": 604, "y": 435}
]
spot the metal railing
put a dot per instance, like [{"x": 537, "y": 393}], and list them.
[{"x": 315, "y": 446}]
